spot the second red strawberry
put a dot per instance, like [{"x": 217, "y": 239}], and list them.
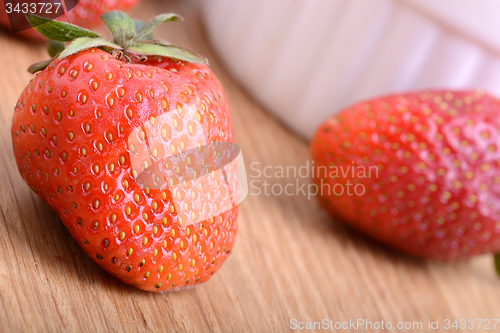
[{"x": 428, "y": 169}]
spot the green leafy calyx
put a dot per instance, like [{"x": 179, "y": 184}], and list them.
[{"x": 132, "y": 39}]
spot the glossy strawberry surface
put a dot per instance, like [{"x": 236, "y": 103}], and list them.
[
  {"x": 428, "y": 169},
  {"x": 71, "y": 132}
]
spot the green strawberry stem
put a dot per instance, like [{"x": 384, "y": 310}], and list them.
[
  {"x": 54, "y": 48},
  {"x": 497, "y": 263},
  {"x": 39, "y": 66},
  {"x": 132, "y": 39},
  {"x": 122, "y": 27}
]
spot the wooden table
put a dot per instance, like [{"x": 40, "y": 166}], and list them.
[{"x": 291, "y": 261}]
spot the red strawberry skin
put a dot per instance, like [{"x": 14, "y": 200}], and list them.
[
  {"x": 86, "y": 14},
  {"x": 69, "y": 132},
  {"x": 437, "y": 154}
]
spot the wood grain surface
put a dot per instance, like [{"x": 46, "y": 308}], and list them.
[{"x": 290, "y": 261}]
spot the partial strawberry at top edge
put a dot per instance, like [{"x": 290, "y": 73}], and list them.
[{"x": 86, "y": 14}]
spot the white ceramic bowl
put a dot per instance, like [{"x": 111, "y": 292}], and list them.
[{"x": 307, "y": 59}]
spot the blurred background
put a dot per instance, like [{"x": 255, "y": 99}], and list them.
[{"x": 304, "y": 60}]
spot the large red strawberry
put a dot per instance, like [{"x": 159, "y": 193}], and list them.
[
  {"x": 86, "y": 13},
  {"x": 119, "y": 139},
  {"x": 419, "y": 172}
]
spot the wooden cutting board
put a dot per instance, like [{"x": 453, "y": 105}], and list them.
[{"x": 291, "y": 261}]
